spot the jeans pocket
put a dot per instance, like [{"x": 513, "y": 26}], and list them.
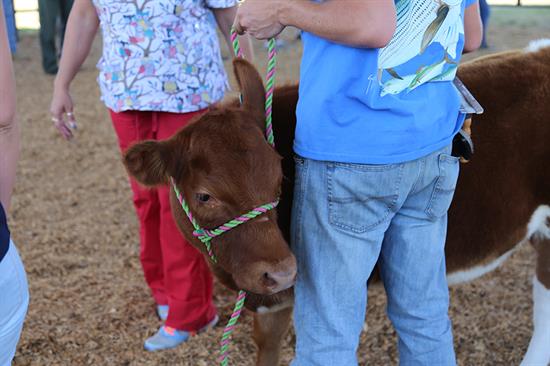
[
  {"x": 444, "y": 187},
  {"x": 360, "y": 196}
]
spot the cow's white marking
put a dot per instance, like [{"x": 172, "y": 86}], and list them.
[
  {"x": 538, "y": 353},
  {"x": 479, "y": 270},
  {"x": 537, "y": 45},
  {"x": 536, "y": 226},
  {"x": 274, "y": 308}
]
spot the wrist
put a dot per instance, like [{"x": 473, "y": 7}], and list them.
[
  {"x": 60, "y": 84},
  {"x": 284, "y": 12}
]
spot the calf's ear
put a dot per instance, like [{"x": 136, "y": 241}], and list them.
[
  {"x": 151, "y": 163},
  {"x": 251, "y": 86}
]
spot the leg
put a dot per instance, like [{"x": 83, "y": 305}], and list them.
[
  {"x": 13, "y": 305},
  {"x": 412, "y": 265},
  {"x": 340, "y": 213},
  {"x": 538, "y": 352},
  {"x": 188, "y": 280},
  {"x": 131, "y": 127},
  {"x": 269, "y": 331},
  {"x": 48, "y": 11},
  {"x": 66, "y": 6}
]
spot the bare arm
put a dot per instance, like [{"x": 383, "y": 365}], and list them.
[
  {"x": 360, "y": 23},
  {"x": 81, "y": 30},
  {"x": 473, "y": 28},
  {"x": 9, "y": 128},
  {"x": 225, "y": 18}
]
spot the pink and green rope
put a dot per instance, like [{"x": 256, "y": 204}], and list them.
[
  {"x": 226, "y": 337},
  {"x": 205, "y": 235},
  {"x": 196, "y": 226},
  {"x": 209, "y": 234},
  {"x": 270, "y": 82},
  {"x": 235, "y": 43},
  {"x": 270, "y": 87}
]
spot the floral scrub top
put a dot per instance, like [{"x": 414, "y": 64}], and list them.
[{"x": 160, "y": 55}]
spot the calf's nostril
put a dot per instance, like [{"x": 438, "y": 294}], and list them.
[
  {"x": 280, "y": 279},
  {"x": 269, "y": 280}
]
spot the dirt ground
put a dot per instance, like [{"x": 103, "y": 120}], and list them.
[{"x": 75, "y": 227}]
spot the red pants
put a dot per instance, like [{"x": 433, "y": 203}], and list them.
[{"x": 174, "y": 270}]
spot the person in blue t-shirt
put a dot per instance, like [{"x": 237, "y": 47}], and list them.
[
  {"x": 376, "y": 116},
  {"x": 14, "y": 293}
]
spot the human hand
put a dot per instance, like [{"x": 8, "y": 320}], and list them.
[
  {"x": 259, "y": 18},
  {"x": 61, "y": 110}
]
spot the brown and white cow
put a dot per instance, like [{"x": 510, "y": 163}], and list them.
[{"x": 502, "y": 199}]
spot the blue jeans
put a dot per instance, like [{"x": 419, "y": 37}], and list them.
[
  {"x": 348, "y": 217},
  {"x": 14, "y": 301}
]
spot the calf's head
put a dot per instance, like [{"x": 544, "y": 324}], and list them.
[{"x": 223, "y": 167}]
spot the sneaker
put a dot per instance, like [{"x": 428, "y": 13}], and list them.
[
  {"x": 162, "y": 312},
  {"x": 168, "y": 337}
]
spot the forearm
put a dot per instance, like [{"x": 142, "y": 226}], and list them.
[
  {"x": 358, "y": 23},
  {"x": 9, "y": 129},
  {"x": 9, "y": 156},
  {"x": 473, "y": 28},
  {"x": 225, "y": 18},
  {"x": 81, "y": 29}
]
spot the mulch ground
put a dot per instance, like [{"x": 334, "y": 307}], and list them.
[{"x": 74, "y": 224}]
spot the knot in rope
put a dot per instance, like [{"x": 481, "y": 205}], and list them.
[{"x": 203, "y": 235}]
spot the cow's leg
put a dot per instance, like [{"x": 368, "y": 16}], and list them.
[
  {"x": 538, "y": 352},
  {"x": 270, "y": 326}
]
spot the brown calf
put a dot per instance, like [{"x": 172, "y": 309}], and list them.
[
  {"x": 223, "y": 167},
  {"x": 502, "y": 197}
]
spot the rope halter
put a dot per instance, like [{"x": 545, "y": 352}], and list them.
[{"x": 206, "y": 235}]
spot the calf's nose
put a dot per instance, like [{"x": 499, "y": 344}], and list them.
[{"x": 280, "y": 280}]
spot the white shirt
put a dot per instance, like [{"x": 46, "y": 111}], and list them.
[{"x": 160, "y": 55}]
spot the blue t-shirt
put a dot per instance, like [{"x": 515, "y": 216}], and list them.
[
  {"x": 389, "y": 105},
  {"x": 4, "y": 234}
]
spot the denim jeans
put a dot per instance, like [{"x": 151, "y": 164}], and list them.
[
  {"x": 348, "y": 217},
  {"x": 14, "y": 301}
]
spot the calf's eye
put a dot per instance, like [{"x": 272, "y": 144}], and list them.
[{"x": 202, "y": 197}]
